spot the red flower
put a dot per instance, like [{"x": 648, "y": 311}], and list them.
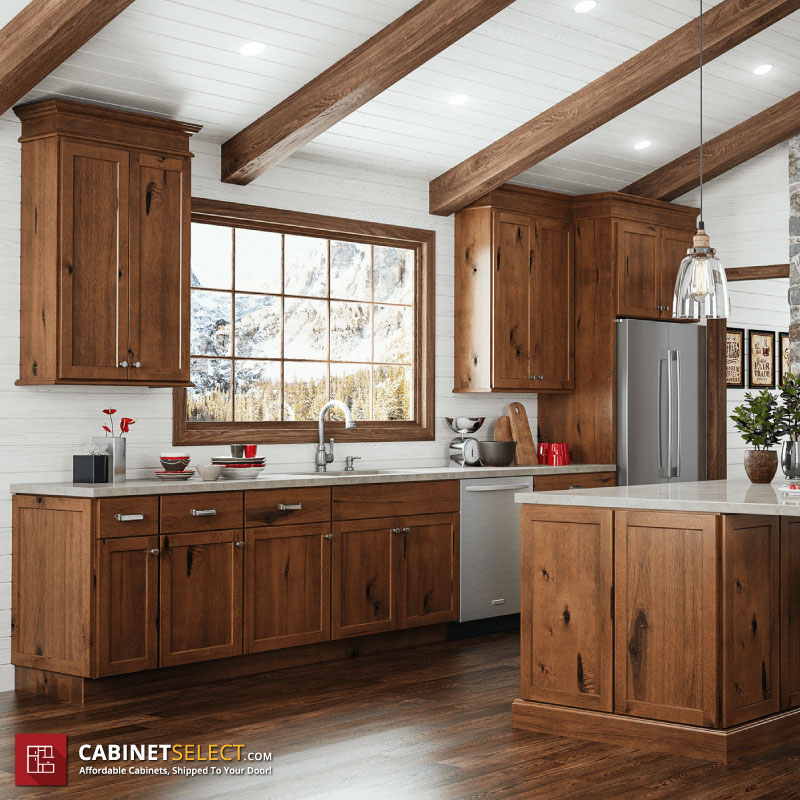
[
  {"x": 125, "y": 424},
  {"x": 106, "y": 428},
  {"x": 109, "y": 411}
]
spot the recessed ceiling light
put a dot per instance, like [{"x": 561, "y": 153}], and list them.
[
  {"x": 458, "y": 99},
  {"x": 643, "y": 145},
  {"x": 586, "y": 5},
  {"x": 762, "y": 69},
  {"x": 252, "y": 48}
]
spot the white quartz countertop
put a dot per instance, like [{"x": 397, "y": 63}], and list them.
[
  {"x": 275, "y": 480},
  {"x": 716, "y": 497}
]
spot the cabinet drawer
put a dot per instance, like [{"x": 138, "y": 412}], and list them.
[
  {"x": 287, "y": 506},
  {"x": 393, "y": 499},
  {"x": 120, "y": 516},
  {"x": 203, "y": 511},
  {"x": 577, "y": 480}
]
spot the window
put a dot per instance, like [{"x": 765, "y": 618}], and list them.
[{"x": 290, "y": 310}]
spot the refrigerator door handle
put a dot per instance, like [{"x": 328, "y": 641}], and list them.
[
  {"x": 675, "y": 469},
  {"x": 664, "y": 468}
]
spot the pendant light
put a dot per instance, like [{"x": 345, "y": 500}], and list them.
[{"x": 701, "y": 289}]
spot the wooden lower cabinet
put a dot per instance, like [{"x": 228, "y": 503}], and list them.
[
  {"x": 567, "y": 626},
  {"x": 127, "y": 605},
  {"x": 666, "y": 621},
  {"x": 200, "y": 596},
  {"x": 750, "y": 618},
  {"x": 363, "y": 575},
  {"x": 287, "y": 586},
  {"x": 428, "y": 584},
  {"x": 790, "y": 612}
]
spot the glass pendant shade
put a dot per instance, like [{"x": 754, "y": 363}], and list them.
[{"x": 701, "y": 289}]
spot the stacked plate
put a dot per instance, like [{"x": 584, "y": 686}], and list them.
[
  {"x": 166, "y": 475},
  {"x": 240, "y": 468}
]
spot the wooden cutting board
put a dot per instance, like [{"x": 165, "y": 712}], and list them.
[
  {"x": 502, "y": 431},
  {"x": 521, "y": 431}
]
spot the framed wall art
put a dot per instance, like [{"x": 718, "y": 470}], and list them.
[
  {"x": 734, "y": 358},
  {"x": 762, "y": 359},
  {"x": 784, "y": 357}
]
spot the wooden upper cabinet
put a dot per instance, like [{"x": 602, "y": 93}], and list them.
[
  {"x": 666, "y": 619},
  {"x": 94, "y": 261},
  {"x": 638, "y": 279},
  {"x": 514, "y": 294},
  {"x": 105, "y": 246},
  {"x": 648, "y": 257}
]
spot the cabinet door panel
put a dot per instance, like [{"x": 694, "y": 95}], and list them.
[
  {"x": 363, "y": 573},
  {"x": 552, "y": 306},
  {"x": 201, "y": 597},
  {"x": 638, "y": 277},
  {"x": 287, "y": 586},
  {"x": 428, "y": 585},
  {"x": 666, "y": 635},
  {"x": 511, "y": 313},
  {"x": 673, "y": 245},
  {"x": 790, "y": 612},
  {"x": 567, "y": 627},
  {"x": 94, "y": 262},
  {"x": 127, "y": 605},
  {"x": 750, "y": 612},
  {"x": 160, "y": 245}
]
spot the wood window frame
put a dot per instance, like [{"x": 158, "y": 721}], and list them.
[{"x": 423, "y": 242}]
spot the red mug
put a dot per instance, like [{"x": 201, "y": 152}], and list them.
[
  {"x": 555, "y": 458},
  {"x": 250, "y": 450},
  {"x": 544, "y": 449}
]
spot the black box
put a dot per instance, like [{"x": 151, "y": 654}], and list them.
[{"x": 90, "y": 469}]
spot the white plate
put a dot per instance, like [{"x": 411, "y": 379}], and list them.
[{"x": 241, "y": 473}]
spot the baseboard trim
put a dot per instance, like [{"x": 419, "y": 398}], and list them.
[
  {"x": 709, "y": 744},
  {"x": 75, "y": 689}
]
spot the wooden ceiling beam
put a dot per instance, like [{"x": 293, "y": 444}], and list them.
[
  {"x": 44, "y": 35},
  {"x": 728, "y": 150},
  {"x": 391, "y": 54},
  {"x": 757, "y": 273},
  {"x": 724, "y": 26}
]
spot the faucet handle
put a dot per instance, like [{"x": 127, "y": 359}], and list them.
[
  {"x": 329, "y": 455},
  {"x": 348, "y": 463}
]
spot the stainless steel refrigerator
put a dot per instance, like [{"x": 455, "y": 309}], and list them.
[{"x": 661, "y": 402}]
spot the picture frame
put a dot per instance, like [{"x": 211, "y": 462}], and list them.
[
  {"x": 734, "y": 358},
  {"x": 784, "y": 357},
  {"x": 762, "y": 359}
]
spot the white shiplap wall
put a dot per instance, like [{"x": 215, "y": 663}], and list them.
[
  {"x": 40, "y": 428},
  {"x": 747, "y": 215}
]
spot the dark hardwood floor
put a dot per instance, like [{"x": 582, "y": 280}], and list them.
[{"x": 428, "y": 723}]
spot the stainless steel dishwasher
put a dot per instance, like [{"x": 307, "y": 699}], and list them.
[{"x": 490, "y": 546}]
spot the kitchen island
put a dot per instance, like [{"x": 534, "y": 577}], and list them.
[{"x": 664, "y": 616}]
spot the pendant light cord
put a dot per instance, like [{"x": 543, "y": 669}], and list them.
[{"x": 702, "y": 225}]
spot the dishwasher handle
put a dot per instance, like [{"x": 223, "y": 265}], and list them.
[{"x": 498, "y": 487}]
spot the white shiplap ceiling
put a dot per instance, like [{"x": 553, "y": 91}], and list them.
[{"x": 179, "y": 58}]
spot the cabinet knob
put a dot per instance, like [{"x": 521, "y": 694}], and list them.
[
  {"x": 123, "y": 363},
  {"x": 397, "y": 530},
  {"x": 155, "y": 551},
  {"x": 533, "y": 377},
  {"x": 406, "y": 530},
  {"x": 137, "y": 364},
  {"x": 239, "y": 544},
  {"x": 329, "y": 536}
]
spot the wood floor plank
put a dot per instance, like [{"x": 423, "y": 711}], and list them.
[{"x": 426, "y": 723}]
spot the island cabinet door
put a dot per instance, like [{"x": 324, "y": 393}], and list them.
[
  {"x": 567, "y": 597},
  {"x": 666, "y": 619},
  {"x": 287, "y": 586},
  {"x": 201, "y": 596},
  {"x": 363, "y": 577},
  {"x": 790, "y": 612},
  {"x": 750, "y": 618}
]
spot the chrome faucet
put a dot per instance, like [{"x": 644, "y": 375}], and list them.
[{"x": 324, "y": 457}]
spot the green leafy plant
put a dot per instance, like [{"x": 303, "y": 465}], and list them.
[
  {"x": 761, "y": 419},
  {"x": 790, "y": 395}
]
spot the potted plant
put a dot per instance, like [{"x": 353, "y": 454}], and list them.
[
  {"x": 790, "y": 452},
  {"x": 760, "y": 420}
]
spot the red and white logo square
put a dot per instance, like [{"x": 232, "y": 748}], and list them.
[{"x": 40, "y": 759}]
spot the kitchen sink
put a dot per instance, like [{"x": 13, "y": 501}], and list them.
[{"x": 354, "y": 473}]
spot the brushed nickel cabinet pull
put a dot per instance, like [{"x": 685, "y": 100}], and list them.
[
  {"x": 203, "y": 512},
  {"x": 406, "y": 530},
  {"x": 239, "y": 544},
  {"x": 290, "y": 506},
  {"x": 128, "y": 517},
  {"x": 329, "y": 536},
  {"x": 397, "y": 530},
  {"x": 154, "y": 552},
  {"x": 123, "y": 363}
]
